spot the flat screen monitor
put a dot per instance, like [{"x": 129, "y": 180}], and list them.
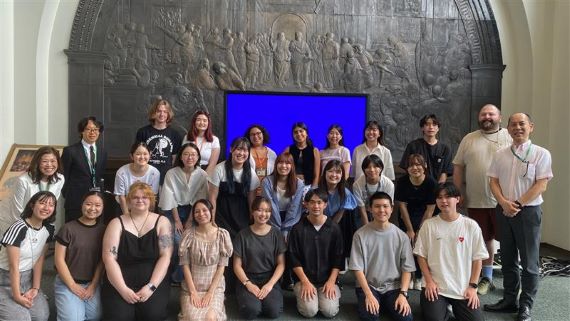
[{"x": 278, "y": 111}]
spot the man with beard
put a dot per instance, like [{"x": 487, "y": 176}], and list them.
[{"x": 470, "y": 166}]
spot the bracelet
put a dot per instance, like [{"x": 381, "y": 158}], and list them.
[{"x": 246, "y": 282}]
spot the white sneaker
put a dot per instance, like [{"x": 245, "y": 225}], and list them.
[{"x": 418, "y": 284}]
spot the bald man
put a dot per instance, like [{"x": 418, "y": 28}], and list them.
[
  {"x": 519, "y": 174},
  {"x": 470, "y": 166}
]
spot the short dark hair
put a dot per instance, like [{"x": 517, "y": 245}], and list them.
[
  {"x": 257, "y": 201},
  {"x": 433, "y": 118},
  {"x": 263, "y": 132},
  {"x": 136, "y": 145},
  {"x": 380, "y": 196},
  {"x": 181, "y": 150},
  {"x": 527, "y": 116},
  {"x": 38, "y": 197},
  {"x": 85, "y": 121},
  {"x": 372, "y": 159},
  {"x": 319, "y": 192},
  {"x": 448, "y": 188}
]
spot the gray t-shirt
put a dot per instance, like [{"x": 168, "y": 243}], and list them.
[
  {"x": 382, "y": 255},
  {"x": 259, "y": 252}
]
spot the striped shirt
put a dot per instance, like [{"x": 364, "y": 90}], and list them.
[{"x": 30, "y": 241}]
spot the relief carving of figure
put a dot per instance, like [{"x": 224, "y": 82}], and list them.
[
  {"x": 226, "y": 47},
  {"x": 267, "y": 52},
  {"x": 345, "y": 48},
  {"x": 399, "y": 58},
  {"x": 204, "y": 79},
  {"x": 213, "y": 42},
  {"x": 239, "y": 52},
  {"x": 252, "y": 62},
  {"x": 330, "y": 54},
  {"x": 142, "y": 44},
  {"x": 115, "y": 47},
  {"x": 351, "y": 76},
  {"x": 131, "y": 41},
  {"x": 316, "y": 45},
  {"x": 365, "y": 60},
  {"x": 225, "y": 78},
  {"x": 281, "y": 58},
  {"x": 263, "y": 69},
  {"x": 300, "y": 60},
  {"x": 382, "y": 61},
  {"x": 198, "y": 43}
]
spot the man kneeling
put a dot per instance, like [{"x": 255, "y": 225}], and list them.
[
  {"x": 450, "y": 249},
  {"x": 382, "y": 261},
  {"x": 316, "y": 256}
]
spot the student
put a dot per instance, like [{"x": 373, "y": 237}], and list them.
[
  {"x": 183, "y": 185},
  {"x": 316, "y": 253},
  {"x": 382, "y": 283},
  {"x": 449, "y": 248},
  {"x": 368, "y": 184},
  {"x": 205, "y": 251},
  {"x": 44, "y": 174},
  {"x": 284, "y": 191},
  {"x": 373, "y": 143},
  {"x": 162, "y": 140},
  {"x": 78, "y": 263},
  {"x": 307, "y": 158},
  {"x": 259, "y": 262},
  {"x": 200, "y": 133},
  {"x": 137, "y": 171},
  {"x": 335, "y": 149},
  {"x": 136, "y": 252},
  {"x": 262, "y": 158},
  {"x": 22, "y": 260},
  {"x": 436, "y": 154}
]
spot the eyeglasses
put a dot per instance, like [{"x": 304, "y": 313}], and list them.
[
  {"x": 91, "y": 130},
  {"x": 256, "y": 134}
]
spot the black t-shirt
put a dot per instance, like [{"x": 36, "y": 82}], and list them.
[
  {"x": 416, "y": 197},
  {"x": 162, "y": 143},
  {"x": 259, "y": 252},
  {"x": 437, "y": 157}
]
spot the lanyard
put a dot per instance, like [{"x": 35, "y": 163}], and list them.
[{"x": 524, "y": 160}]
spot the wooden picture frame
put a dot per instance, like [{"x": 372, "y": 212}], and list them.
[{"x": 17, "y": 162}]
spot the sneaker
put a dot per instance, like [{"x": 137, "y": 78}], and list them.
[
  {"x": 418, "y": 284},
  {"x": 485, "y": 285}
]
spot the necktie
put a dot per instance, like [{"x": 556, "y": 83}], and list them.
[{"x": 92, "y": 156}]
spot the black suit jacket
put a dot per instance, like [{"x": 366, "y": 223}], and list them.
[{"x": 78, "y": 176}]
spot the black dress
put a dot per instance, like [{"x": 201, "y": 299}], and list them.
[{"x": 137, "y": 257}]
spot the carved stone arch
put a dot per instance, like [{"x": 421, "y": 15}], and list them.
[{"x": 289, "y": 23}]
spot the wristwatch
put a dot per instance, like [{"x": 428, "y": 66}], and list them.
[
  {"x": 152, "y": 287},
  {"x": 405, "y": 294},
  {"x": 473, "y": 285}
]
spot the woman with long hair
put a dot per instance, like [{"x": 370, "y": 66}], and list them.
[
  {"x": 205, "y": 251},
  {"x": 44, "y": 174},
  {"x": 334, "y": 149},
  {"x": 137, "y": 171},
  {"x": 136, "y": 252},
  {"x": 200, "y": 133},
  {"x": 306, "y": 156},
  {"x": 22, "y": 260},
  {"x": 78, "y": 263},
  {"x": 341, "y": 198}
]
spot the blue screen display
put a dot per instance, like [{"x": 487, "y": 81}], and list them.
[{"x": 277, "y": 112}]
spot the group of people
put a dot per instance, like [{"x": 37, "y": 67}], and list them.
[{"x": 260, "y": 222}]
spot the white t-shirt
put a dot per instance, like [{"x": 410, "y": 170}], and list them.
[
  {"x": 450, "y": 249},
  {"x": 342, "y": 154},
  {"x": 475, "y": 153},
  {"x": 12, "y": 207},
  {"x": 219, "y": 175},
  {"x": 124, "y": 178},
  {"x": 30, "y": 241},
  {"x": 362, "y": 190},
  {"x": 205, "y": 147},
  {"x": 177, "y": 190},
  {"x": 361, "y": 151}
]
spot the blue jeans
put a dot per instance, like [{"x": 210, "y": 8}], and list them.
[
  {"x": 70, "y": 307},
  {"x": 183, "y": 213},
  {"x": 387, "y": 303}
]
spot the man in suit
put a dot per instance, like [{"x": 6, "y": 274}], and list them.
[{"x": 83, "y": 166}]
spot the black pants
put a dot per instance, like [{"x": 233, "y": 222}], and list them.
[{"x": 437, "y": 310}]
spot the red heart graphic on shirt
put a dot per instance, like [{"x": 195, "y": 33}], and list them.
[{"x": 461, "y": 238}]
